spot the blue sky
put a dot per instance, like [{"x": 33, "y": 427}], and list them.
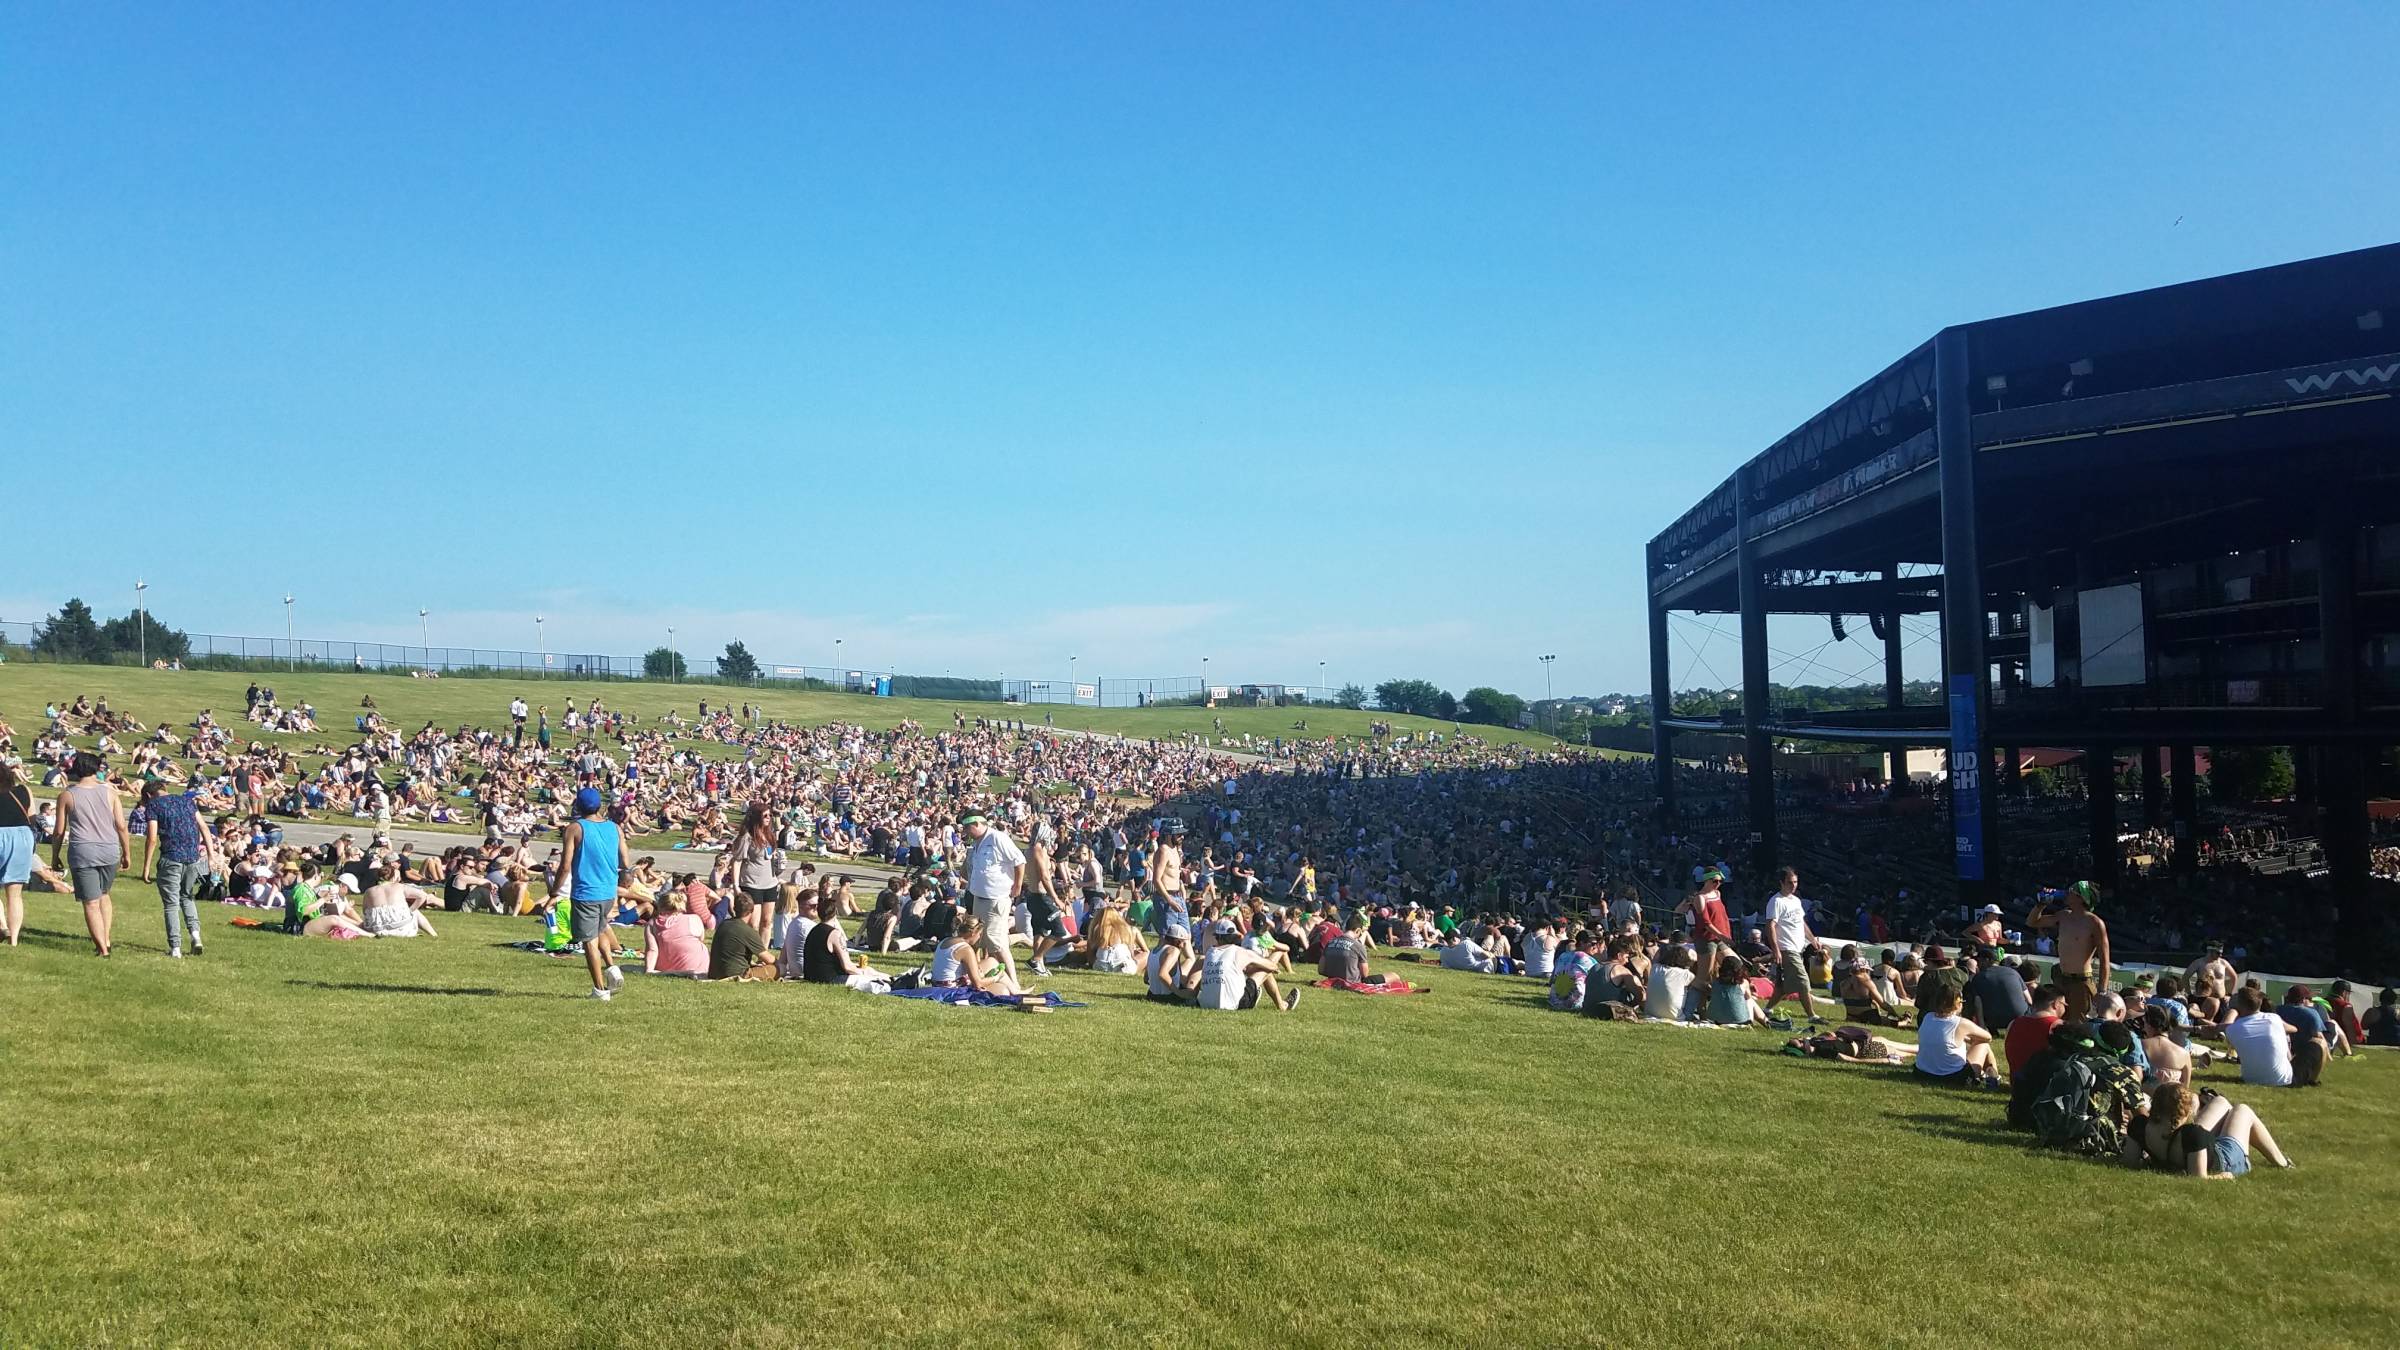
[{"x": 979, "y": 335}]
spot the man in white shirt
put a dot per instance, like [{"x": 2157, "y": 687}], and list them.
[
  {"x": 1788, "y": 941},
  {"x": 1463, "y": 954},
  {"x": 995, "y": 873},
  {"x": 516, "y": 714},
  {"x": 1234, "y": 978},
  {"x": 2262, "y": 1039}
]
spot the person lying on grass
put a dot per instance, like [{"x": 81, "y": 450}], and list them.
[
  {"x": 1852, "y": 1045},
  {"x": 961, "y": 960},
  {"x": 2198, "y": 1136}
]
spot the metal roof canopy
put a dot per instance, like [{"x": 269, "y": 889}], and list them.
[{"x": 2281, "y": 359}]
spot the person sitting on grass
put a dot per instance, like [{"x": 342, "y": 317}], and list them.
[
  {"x": 826, "y": 960},
  {"x": 1622, "y": 977},
  {"x": 2382, "y": 1022},
  {"x": 1344, "y": 956},
  {"x": 1950, "y": 1048},
  {"x": 2198, "y": 1136},
  {"x": 1669, "y": 996},
  {"x": 961, "y": 960},
  {"x": 1463, "y": 952},
  {"x": 1730, "y": 1000},
  {"x": 2271, "y": 1051},
  {"x": 394, "y": 908},
  {"x": 737, "y": 952},
  {"x": 1111, "y": 944},
  {"x": 321, "y": 908},
  {"x": 1862, "y": 1001},
  {"x": 1234, "y": 978},
  {"x": 2030, "y": 1035},
  {"x": 674, "y": 942},
  {"x": 1571, "y": 972}
]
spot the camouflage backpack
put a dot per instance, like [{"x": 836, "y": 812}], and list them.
[{"x": 2083, "y": 1106}]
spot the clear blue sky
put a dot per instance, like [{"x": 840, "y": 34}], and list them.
[{"x": 979, "y": 335}]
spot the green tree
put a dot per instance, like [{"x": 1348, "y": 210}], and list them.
[
  {"x": 1491, "y": 707},
  {"x": 1409, "y": 696},
  {"x": 663, "y": 663},
  {"x": 1350, "y": 696},
  {"x": 71, "y": 635},
  {"x": 1444, "y": 706},
  {"x": 126, "y": 636},
  {"x": 737, "y": 663},
  {"x": 2250, "y": 773}
]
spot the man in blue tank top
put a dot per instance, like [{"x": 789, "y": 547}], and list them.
[{"x": 593, "y": 859}]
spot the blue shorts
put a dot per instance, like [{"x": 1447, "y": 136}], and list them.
[
  {"x": 2228, "y": 1156},
  {"x": 16, "y": 855}
]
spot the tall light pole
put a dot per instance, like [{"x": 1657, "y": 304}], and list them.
[
  {"x": 541, "y": 644},
  {"x": 1074, "y": 695},
  {"x": 291, "y": 655},
  {"x": 1550, "y": 710},
  {"x": 674, "y": 674},
  {"x": 141, "y": 621},
  {"x": 840, "y": 681},
  {"x": 1320, "y": 674},
  {"x": 426, "y": 634}
]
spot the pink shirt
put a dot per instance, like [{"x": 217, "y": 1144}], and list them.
[{"x": 675, "y": 941}]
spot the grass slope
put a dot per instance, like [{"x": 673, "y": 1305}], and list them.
[
  {"x": 25, "y": 686},
  {"x": 436, "y": 1143}
]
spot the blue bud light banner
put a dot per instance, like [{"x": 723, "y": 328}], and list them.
[{"x": 1966, "y": 778}]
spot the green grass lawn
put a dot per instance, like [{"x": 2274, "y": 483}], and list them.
[
  {"x": 438, "y": 1143},
  {"x": 150, "y": 695}
]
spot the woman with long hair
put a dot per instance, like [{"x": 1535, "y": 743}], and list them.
[
  {"x": 16, "y": 850},
  {"x": 758, "y": 870}
]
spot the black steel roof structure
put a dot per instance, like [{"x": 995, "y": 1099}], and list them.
[{"x": 2228, "y": 448}]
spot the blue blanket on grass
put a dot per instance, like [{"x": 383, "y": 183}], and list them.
[{"x": 961, "y": 996}]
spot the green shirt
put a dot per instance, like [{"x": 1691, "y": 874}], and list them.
[
  {"x": 1138, "y": 913},
  {"x": 1445, "y": 925},
  {"x": 303, "y": 901}
]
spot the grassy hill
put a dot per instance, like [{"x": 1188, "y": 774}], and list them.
[
  {"x": 431, "y": 1142},
  {"x": 150, "y": 695}
]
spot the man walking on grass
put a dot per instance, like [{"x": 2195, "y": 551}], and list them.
[
  {"x": 995, "y": 876},
  {"x": 589, "y": 867},
  {"x": 1788, "y": 941}
]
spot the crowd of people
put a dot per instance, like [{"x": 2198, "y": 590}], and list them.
[{"x": 1217, "y": 868}]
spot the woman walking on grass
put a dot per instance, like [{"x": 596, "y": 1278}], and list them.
[
  {"x": 16, "y": 850},
  {"x": 93, "y": 842}
]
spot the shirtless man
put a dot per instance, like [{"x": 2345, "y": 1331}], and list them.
[
  {"x": 2212, "y": 966},
  {"x": 2082, "y": 940},
  {"x": 1042, "y": 904}
]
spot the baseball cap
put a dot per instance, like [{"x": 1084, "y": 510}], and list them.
[
  {"x": 350, "y": 882},
  {"x": 1226, "y": 928},
  {"x": 1989, "y": 909},
  {"x": 587, "y": 800}
]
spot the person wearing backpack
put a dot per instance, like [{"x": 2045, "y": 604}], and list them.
[{"x": 2087, "y": 1095}]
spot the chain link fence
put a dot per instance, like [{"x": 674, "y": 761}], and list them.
[{"x": 20, "y": 641}]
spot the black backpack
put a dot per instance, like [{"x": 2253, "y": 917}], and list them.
[{"x": 2076, "y": 1109}]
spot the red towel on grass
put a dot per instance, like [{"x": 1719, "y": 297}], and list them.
[{"x": 1390, "y": 987}]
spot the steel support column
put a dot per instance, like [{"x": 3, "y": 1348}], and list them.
[
  {"x": 1758, "y": 747},
  {"x": 1966, "y": 676},
  {"x": 2185, "y": 797},
  {"x": 1893, "y": 692},
  {"x": 2342, "y": 769},
  {"x": 2154, "y": 784},
  {"x": 1662, "y": 698},
  {"x": 2100, "y": 787}
]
